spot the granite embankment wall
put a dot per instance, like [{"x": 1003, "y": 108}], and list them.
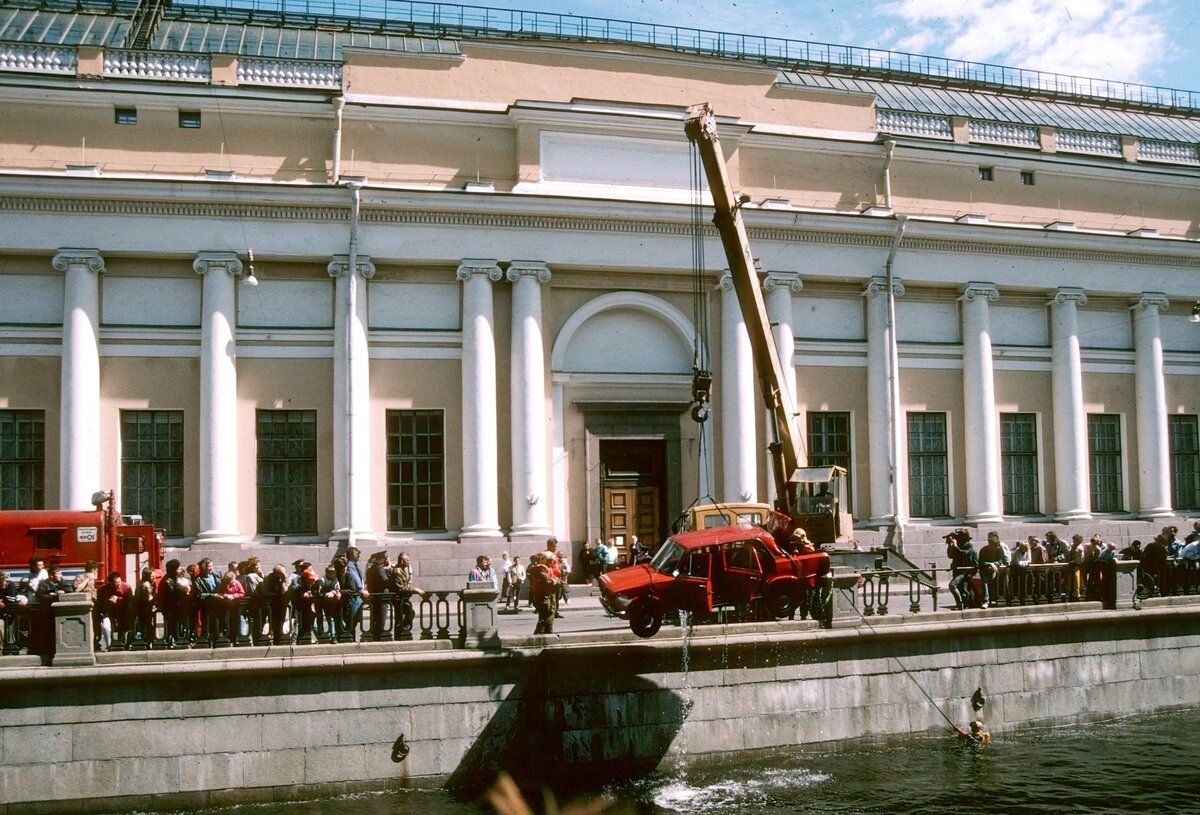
[{"x": 181, "y": 729}]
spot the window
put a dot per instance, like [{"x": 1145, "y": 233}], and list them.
[
  {"x": 152, "y": 467},
  {"x": 928, "y": 469},
  {"x": 22, "y": 459},
  {"x": 287, "y": 472},
  {"x": 829, "y": 441},
  {"x": 1019, "y": 463},
  {"x": 125, "y": 116},
  {"x": 416, "y": 464},
  {"x": 1027, "y": 178},
  {"x": 1184, "y": 434},
  {"x": 189, "y": 119},
  {"x": 1104, "y": 462},
  {"x": 986, "y": 174}
]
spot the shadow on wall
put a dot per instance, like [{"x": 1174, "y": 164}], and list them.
[{"x": 574, "y": 722}]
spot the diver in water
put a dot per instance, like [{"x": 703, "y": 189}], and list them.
[{"x": 977, "y": 734}]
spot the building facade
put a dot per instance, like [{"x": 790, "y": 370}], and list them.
[{"x": 266, "y": 279}]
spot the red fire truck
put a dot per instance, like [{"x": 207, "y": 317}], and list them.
[{"x": 70, "y": 538}]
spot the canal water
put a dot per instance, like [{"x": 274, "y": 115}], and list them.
[{"x": 1130, "y": 766}]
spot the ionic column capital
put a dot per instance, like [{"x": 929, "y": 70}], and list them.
[
  {"x": 1069, "y": 294},
  {"x": 987, "y": 291},
  {"x": 227, "y": 262},
  {"x": 90, "y": 259},
  {"x": 878, "y": 285},
  {"x": 341, "y": 264},
  {"x": 788, "y": 280},
  {"x": 536, "y": 269},
  {"x": 470, "y": 267},
  {"x": 1152, "y": 299},
  {"x": 725, "y": 281}
]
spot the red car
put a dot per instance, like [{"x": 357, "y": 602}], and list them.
[{"x": 703, "y": 570}]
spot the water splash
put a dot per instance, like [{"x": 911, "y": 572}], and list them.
[
  {"x": 734, "y": 794},
  {"x": 685, "y": 690}
]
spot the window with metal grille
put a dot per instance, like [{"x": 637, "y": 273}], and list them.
[
  {"x": 287, "y": 472},
  {"x": 1184, "y": 432},
  {"x": 928, "y": 467},
  {"x": 152, "y": 467},
  {"x": 22, "y": 459},
  {"x": 416, "y": 470},
  {"x": 1104, "y": 462},
  {"x": 1019, "y": 463},
  {"x": 829, "y": 441}
]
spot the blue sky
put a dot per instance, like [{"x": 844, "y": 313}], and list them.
[{"x": 1153, "y": 42}]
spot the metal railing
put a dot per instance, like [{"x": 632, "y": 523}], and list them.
[
  {"x": 449, "y": 19},
  {"x": 256, "y": 621}
]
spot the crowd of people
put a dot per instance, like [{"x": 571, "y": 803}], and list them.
[
  {"x": 199, "y": 602},
  {"x": 1166, "y": 563}
]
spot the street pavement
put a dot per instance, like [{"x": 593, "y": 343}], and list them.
[{"x": 581, "y": 612}]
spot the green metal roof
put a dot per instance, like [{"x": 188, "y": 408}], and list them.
[{"x": 990, "y": 106}]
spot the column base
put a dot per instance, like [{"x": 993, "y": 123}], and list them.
[
  {"x": 1073, "y": 515},
  {"x": 1156, "y": 512},
  {"x": 213, "y": 536},
  {"x": 481, "y": 534},
  {"x": 985, "y": 518},
  {"x": 882, "y": 521},
  {"x": 361, "y": 536}
]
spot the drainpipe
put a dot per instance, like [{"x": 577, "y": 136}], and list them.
[
  {"x": 893, "y": 383},
  {"x": 338, "y": 105},
  {"x": 890, "y": 147},
  {"x": 352, "y": 310}
]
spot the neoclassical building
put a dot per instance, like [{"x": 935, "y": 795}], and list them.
[{"x": 389, "y": 280}]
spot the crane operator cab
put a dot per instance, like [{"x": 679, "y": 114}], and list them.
[{"x": 822, "y": 503}]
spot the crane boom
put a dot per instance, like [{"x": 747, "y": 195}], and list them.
[{"x": 701, "y": 129}]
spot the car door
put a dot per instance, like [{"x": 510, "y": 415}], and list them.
[
  {"x": 693, "y": 586},
  {"x": 741, "y": 578}
]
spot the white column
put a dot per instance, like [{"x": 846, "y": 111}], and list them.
[
  {"x": 79, "y": 461},
  {"x": 980, "y": 423},
  {"x": 1070, "y": 422},
  {"x": 1154, "y": 456},
  {"x": 561, "y": 475},
  {"x": 351, "y": 401},
  {"x": 218, "y": 397},
  {"x": 481, "y": 512},
  {"x": 886, "y": 424},
  {"x": 528, "y": 373},
  {"x": 739, "y": 442},
  {"x": 780, "y": 287}
]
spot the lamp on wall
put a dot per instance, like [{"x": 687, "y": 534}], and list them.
[
  {"x": 1195, "y": 318},
  {"x": 250, "y": 279}
]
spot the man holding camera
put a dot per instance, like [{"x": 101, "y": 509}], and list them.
[{"x": 964, "y": 563}]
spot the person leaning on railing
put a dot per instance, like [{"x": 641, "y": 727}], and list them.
[
  {"x": 992, "y": 558},
  {"x": 402, "y": 587},
  {"x": 964, "y": 563}
]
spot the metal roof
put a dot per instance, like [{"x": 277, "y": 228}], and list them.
[
  {"x": 75, "y": 27},
  {"x": 989, "y": 106}
]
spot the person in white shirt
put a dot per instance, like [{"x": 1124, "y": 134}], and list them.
[
  {"x": 505, "y": 565},
  {"x": 516, "y": 577}
]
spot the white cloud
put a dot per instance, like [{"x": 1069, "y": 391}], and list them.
[{"x": 1112, "y": 39}]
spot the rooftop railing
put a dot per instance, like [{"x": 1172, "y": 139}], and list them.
[{"x": 448, "y": 19}]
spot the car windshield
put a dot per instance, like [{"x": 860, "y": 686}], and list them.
[{"x": 666, "y": 559}]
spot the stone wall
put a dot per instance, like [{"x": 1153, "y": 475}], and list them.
[{"x": 180, "y": 729}]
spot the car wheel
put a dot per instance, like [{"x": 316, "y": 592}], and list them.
[
  {"x": 781, "y": 604},
  {"x": 645, "y": 620}
]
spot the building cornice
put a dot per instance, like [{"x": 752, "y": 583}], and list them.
[{"x": 273, "y": 202}]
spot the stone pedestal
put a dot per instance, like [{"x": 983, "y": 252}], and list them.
[
  {"x": 844, "y": 587},
  {"x": 1124, "y": 586},
  {"x": 73, "y": 633},
  {"x": 482, "y": 629}
]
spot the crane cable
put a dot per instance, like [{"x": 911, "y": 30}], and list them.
[{"x": 701, "y": 364}]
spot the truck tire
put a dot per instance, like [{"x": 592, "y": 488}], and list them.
[
  {"x": 645, "y": 620},
  {"x": 781, "y": 602}
]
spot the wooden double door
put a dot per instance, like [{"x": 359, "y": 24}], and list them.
[{"x": 633, "y": 482}]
